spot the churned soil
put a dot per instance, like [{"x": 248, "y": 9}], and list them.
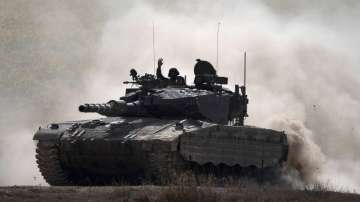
[{"x": 170, "y": 193}]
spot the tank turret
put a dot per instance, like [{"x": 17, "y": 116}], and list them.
[{"x": 154, "y": 97}]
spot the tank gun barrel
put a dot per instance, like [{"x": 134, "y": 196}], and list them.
[
  {"x": 112, "y": 108},
  {"x": 100, "y": 108},
  {"x": 115, "y": 108}
]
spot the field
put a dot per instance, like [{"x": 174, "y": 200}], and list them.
[{"x": 171, "y": 194}]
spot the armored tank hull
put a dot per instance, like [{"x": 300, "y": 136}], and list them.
[{"x": 132, "y": 149}]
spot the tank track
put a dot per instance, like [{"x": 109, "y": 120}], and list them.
[
  {"x": 162, "y": 168},
  {"x": 48, "y": 160}
]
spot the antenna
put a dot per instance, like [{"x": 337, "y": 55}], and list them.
[
  {"x": 154, "y": 53},
  {"x": 217, "y": 46},
  {"x": 245, "y": 69}
]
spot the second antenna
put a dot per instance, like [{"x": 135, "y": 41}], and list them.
[{"x": 217, "y": 45}]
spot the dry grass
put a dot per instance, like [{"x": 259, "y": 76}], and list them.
[{"x": 173, "y": 193}]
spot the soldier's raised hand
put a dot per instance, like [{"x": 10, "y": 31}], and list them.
[{"x": 160, "y": 62}]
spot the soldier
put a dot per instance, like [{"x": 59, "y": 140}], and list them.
[
  {"x": 203, "y": 67},
  {"x": 174, "y": 78},
  {"x": 134, "y": 75}
]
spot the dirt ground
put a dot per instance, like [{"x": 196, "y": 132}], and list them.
[{"x": 168, "y": 193}]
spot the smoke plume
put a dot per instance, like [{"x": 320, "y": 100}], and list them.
[{"x": 303, "y": 74}]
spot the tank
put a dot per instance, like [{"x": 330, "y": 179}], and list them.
[{"x": 158, "y": 129}]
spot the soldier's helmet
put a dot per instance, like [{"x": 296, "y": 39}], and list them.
[
  {"x": 133, "y": 74},
  {"x": 173, "y": 72}
]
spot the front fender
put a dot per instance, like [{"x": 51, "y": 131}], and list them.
[{"x": 52, "y": 133}]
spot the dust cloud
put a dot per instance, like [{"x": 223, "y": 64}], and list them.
[
  {"x": 303, "y": 74},
  {"x": 46, "y": 51}
]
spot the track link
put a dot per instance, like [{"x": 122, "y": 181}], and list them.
[{"x": 48, "y": 160}]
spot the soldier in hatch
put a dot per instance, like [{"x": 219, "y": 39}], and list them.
[{"x": 174, "y": 78}]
